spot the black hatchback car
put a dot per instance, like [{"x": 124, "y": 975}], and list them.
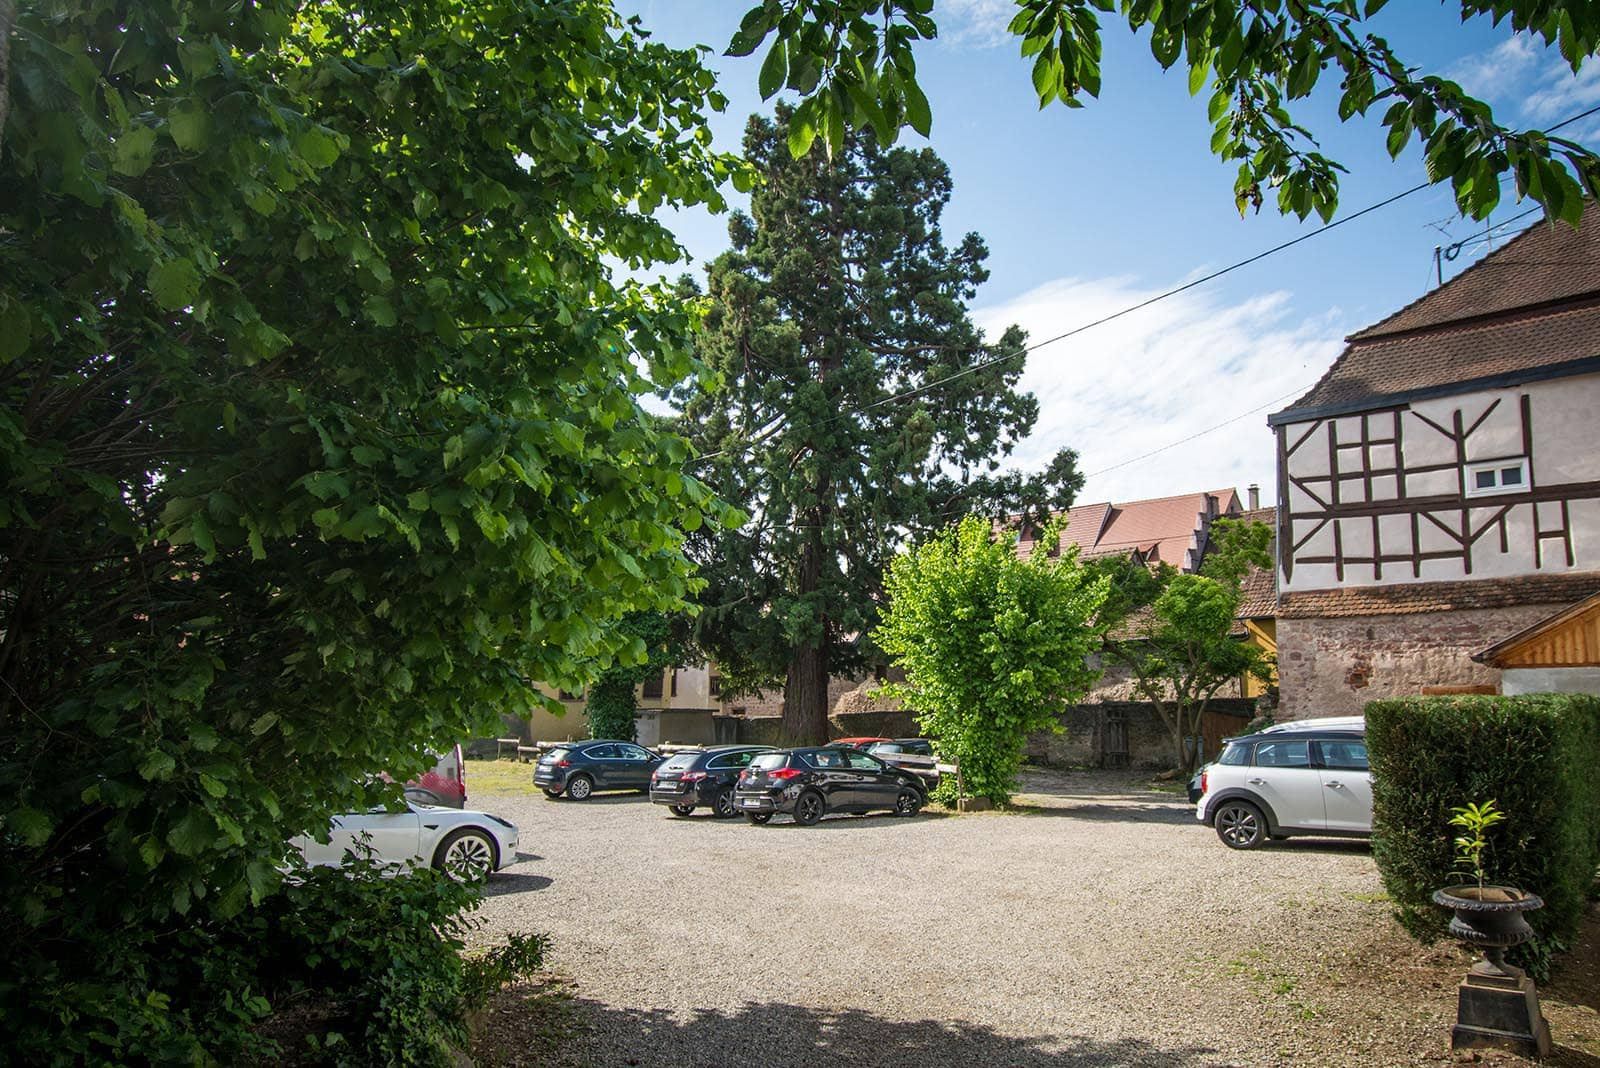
[
  {"x": 809, "y": 783},
  {"x": 578, "y": 769},
  {"x": 702, "y": 777}
]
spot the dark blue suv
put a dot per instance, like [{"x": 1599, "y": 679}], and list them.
[{"x": 578, "y": 769}]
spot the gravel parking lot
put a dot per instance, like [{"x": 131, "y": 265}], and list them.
[{"x": 1099, "y": 926}]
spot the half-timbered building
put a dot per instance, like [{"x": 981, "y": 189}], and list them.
[{"x": 1439, "y": 488}]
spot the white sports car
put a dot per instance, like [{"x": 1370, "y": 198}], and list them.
[{"x": 464, "y": 844}]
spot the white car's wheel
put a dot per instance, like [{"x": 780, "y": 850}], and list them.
[{"x": 466, "y": 855}]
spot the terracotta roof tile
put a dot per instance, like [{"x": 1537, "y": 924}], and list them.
[
  {"x": 1259, "y": 588},
  {"x": 1412, "y": 598},
  {"x": 1533, "y": 304},
  {"x": 1161, "y": 528},
  {"x": 1259, "y": 591}
]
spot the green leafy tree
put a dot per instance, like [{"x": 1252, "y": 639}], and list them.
[
  {"x": 610, "y": 707},
  {"x": 1175, "y": 632},
  {"x": 993, "y": 645},
  {"x": 853, "y": 65},
  {"x": 853, "y": 409},
  {"x": 319, "y": 435}
]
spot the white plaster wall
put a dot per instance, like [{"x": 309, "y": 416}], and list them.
[
  {"x": 1565, "y": 424},
  {"x": 694, "y": 689},
  {"x": 1550, "y": 680}
]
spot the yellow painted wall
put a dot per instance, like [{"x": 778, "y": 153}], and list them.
[{"x": 1263, "y": 634}]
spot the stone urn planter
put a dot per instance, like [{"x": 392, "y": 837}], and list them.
[{"x": 1497, "y": 1003}]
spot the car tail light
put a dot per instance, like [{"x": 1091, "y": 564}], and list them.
[
  {"x": 693, "y": 776},
  {"x": 784, "y": 774},
  {"x": 563, "y": 763},
  {"x": 1203, "y": 777}
]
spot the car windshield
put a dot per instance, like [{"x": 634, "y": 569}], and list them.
[
  {"x": 555, "y": 755},
  {"x": 768, "y": 761},
  {"x": 1235, "y": 754},
  {"x": 885, "y": 747},
  {"x": 680, "y": 761}
]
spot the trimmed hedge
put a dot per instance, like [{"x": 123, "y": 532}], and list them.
[{"x": 1537, "y": 755}]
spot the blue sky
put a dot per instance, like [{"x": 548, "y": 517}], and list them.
[{"x": 1087, "y": 211}]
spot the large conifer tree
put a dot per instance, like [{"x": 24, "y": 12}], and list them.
[{"x": 838, "y": 323}]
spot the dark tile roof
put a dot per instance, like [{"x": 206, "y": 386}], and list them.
[
  {"x": 1549, "y": 261},
  {"x": 1413, "y": 598},
  {"x": 1531, "y": 305}
]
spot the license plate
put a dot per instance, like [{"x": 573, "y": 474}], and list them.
[{"x": 750, "y": 802}]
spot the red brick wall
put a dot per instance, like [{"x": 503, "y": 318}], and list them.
[{"x": 1333, "y": 667}]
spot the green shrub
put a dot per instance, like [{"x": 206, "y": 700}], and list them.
[
  {"x": 484, "y": 973},
  {"x": 1536, "y": 756},
  {"x": 992, "y": 644}
]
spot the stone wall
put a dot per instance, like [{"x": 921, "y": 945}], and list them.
[
  {"x": 1334, "y": 666},
  {"x": 770, "y": 702},
  {"x": 1082, "y": 742},
  {"x": 893, "y": 723}
]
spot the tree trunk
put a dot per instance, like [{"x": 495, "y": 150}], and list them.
[{"x": 805, "y": 697}]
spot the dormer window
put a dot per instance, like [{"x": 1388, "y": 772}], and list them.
[{"x": 1499, "y": 476}]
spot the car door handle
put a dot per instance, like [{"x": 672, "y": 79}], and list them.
[
  {"x": 1257, "y": 782},
  {"x": 1334, "y": 785}
]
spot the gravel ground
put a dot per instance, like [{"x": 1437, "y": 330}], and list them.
[{"x": 1099, "y": 926}]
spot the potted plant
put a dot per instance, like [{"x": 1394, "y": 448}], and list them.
[
  {"x": 1487, "y": 915},
  {"x": 1498, "y": 1005}
]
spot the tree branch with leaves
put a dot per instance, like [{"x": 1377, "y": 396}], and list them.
[{"x": 852, "y": 63}]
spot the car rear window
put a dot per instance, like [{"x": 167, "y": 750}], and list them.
[
  {"x": 1237, "y": 753},
  {"x": 886, "y": 747},
  {"x": 768, "y": 761},
  {"x": 680, "y": 761},
  {"x": 555, "y": 755},
  {"x": 920, "y": 748}
]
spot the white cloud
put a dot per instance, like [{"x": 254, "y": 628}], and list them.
[
  {"x": 1161, "y": 375},
  {"x": 976, "y": 23},
  {"x": 1530, "y": 79},
  {"x": 1500, "y": 70}
]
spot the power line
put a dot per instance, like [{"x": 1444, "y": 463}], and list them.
[
  {"x": 1201, "y": 433},
  {"x": 984, "y": 365}
]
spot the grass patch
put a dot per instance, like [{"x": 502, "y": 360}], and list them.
[
  {"x": 1370, "y": 899},
  {"x": 1272, "y": 984},
  {"x": 498, "y": 777}
]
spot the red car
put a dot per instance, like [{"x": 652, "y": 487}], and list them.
[
  {"x": 444, "y": 784},
  {"x": 858, "y": 743}
]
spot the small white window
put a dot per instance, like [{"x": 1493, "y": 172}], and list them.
[{"x": 1500, "y": 476}]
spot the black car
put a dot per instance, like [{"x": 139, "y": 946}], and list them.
[
  {"x": 808, "y": 783},
  {"x": 699, "y": 777},
  {"x": 578, "y": 769}
]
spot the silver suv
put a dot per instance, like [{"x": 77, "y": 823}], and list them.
[{"x": 1306, "y": 777}]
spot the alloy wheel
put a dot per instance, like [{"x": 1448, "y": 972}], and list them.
[
  {"x": 469, "y": 858},
  {"x": 1239, "y": 826},
  {"x": 808, "y": 809},
  {"x": 722, "y": 807},
  {"x": 579, "y": 788}
]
